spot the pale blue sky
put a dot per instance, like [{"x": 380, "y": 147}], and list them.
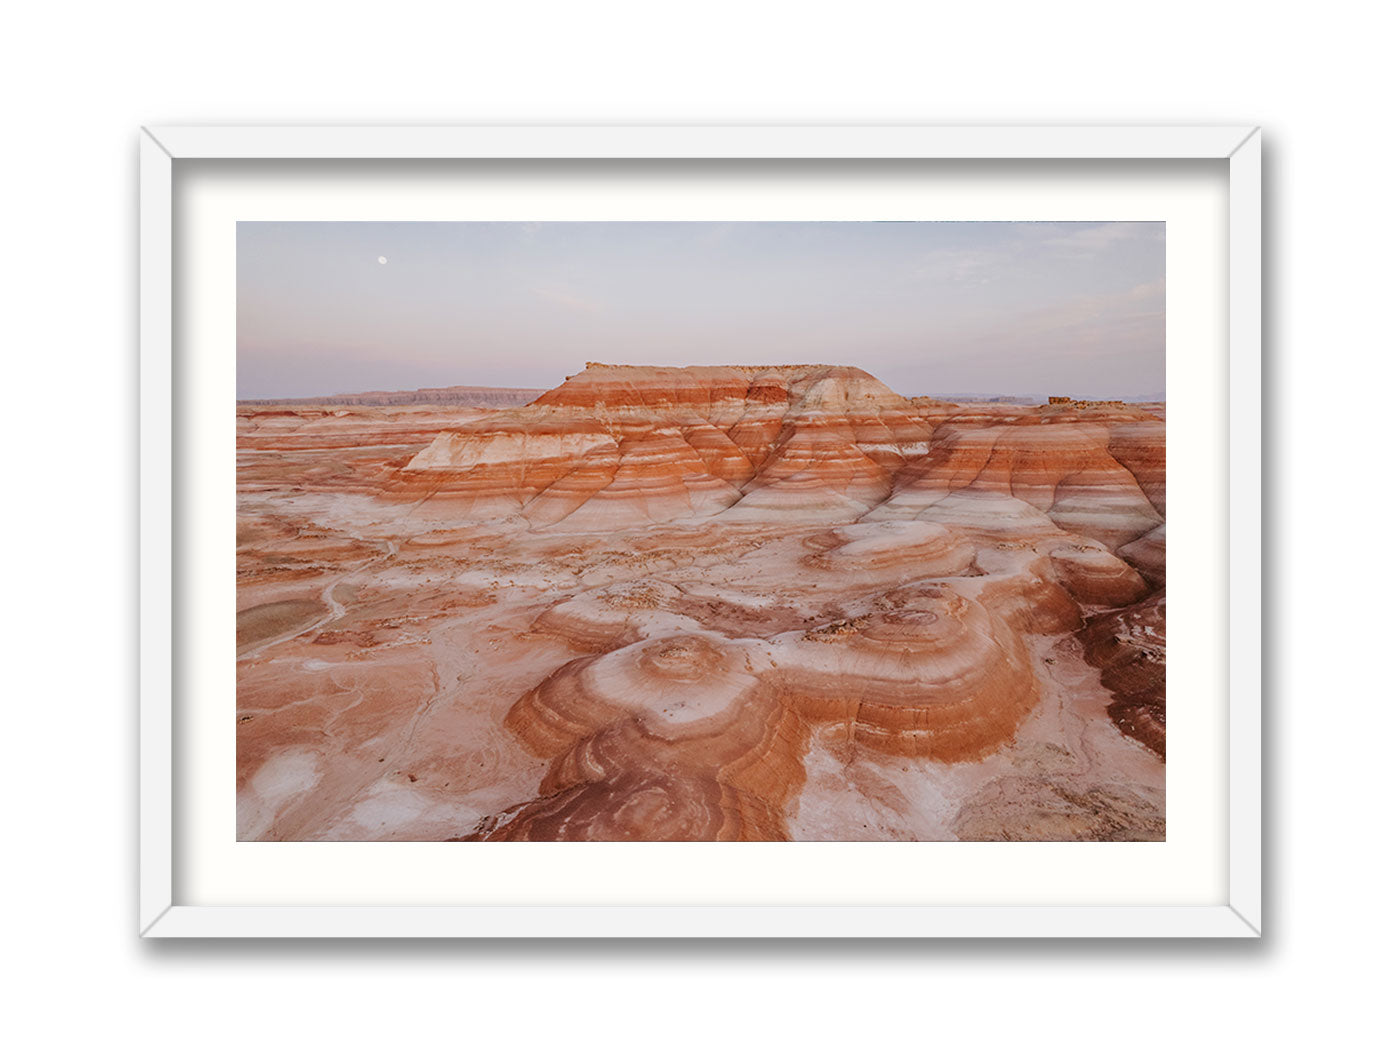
[{"x": 1021, "y": 308}]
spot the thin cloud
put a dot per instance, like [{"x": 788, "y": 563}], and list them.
[
  {"x": 951, "y": 265},
  {"x": 568, "y": 299},
  {"x": 1130, "y": 324},
  {"x": 1132, "y": 305},
  {"x": 1092, "y": 240}
]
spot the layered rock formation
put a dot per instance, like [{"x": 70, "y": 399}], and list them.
[
  {"x": 620, "y": 445},
  {"x": 1129, "y": 648},
  {"x": 739, "y": 603}
]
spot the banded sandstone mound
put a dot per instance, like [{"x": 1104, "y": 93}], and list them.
[
  {"x": 701, "y": 603},
  {"x": 645, "y": 444}
]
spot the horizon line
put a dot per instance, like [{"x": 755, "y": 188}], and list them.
[{"x": 949, "y": 395}]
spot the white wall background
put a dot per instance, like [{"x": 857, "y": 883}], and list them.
[{"x": 79, "y": 79}]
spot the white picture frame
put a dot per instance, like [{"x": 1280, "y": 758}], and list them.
[{"x": 160, "y": 150}]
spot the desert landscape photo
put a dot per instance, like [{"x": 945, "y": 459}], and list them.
[{"x": 669, "y": 531}]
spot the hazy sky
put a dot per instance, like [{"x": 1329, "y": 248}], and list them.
[{"x": 1022, "y": 308}]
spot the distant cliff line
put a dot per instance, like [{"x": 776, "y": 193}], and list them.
[
  {"x": 456, "y": 395},
  {"x": 500, "y": 398}
]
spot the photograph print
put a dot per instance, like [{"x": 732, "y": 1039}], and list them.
[{"x": 695, "y": 531}]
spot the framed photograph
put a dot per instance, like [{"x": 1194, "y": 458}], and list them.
[{"x": 762, "y": 529}]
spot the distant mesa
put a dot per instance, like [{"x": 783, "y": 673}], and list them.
[
  {"x": 1083, "y": 404},
  {"x": 635, "y": 445}
]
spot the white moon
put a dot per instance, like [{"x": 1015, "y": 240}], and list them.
[{"x": 383, "y": 260}]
